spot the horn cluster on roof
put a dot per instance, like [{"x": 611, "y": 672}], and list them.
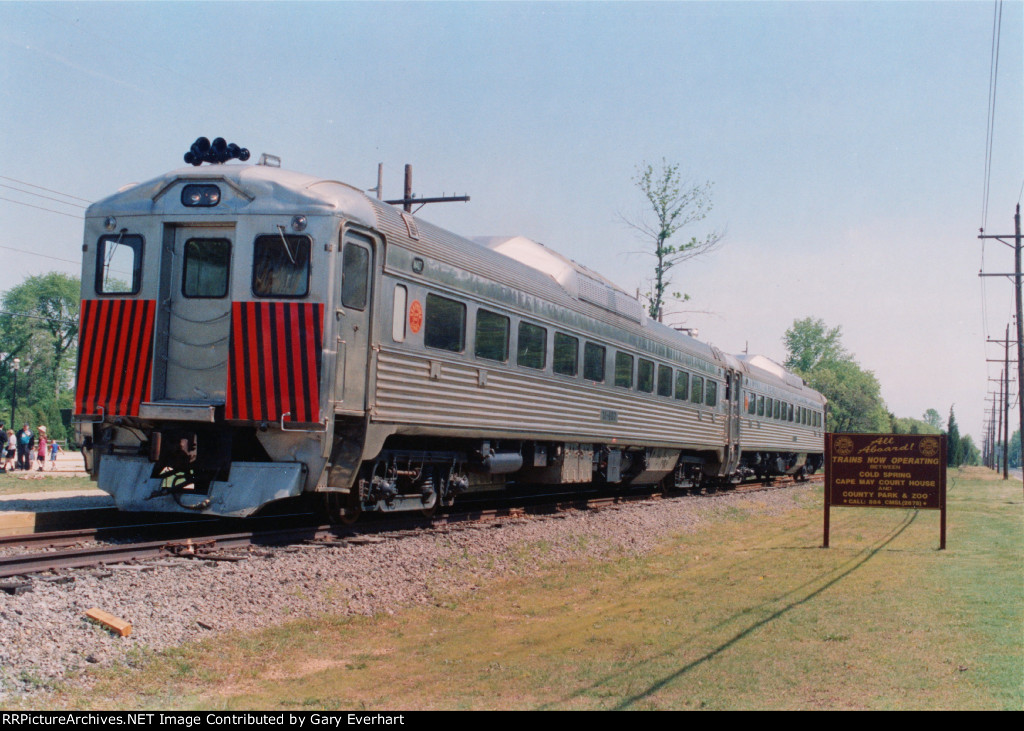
[{"x": 219, "y": 151}]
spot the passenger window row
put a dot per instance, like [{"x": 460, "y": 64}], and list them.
[
  {"x": 757, "y": 405},
  {"x": 444, "y": 328}
]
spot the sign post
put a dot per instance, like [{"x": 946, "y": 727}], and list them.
[{"x": 886, "y": 471}]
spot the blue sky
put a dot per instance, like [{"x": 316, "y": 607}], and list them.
[{"x": 845, "y": 141}]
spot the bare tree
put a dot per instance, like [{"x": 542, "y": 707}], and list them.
[{"x": 675, "y": 204}]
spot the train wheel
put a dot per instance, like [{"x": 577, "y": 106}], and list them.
[{"x": 342, "y": 508}]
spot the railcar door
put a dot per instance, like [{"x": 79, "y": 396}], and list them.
[
  {"x": 195, "y": 314},
  {"x": 352, "y": 313},
  {"x": 733, "y": 399}
]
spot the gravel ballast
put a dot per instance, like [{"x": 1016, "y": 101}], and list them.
[{"x": 45, "y": 634}]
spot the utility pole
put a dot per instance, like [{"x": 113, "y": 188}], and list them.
[
  {"x": 1020, "y": 315},
  {"x": 407, "y": 199},
  {"x": 1003, "y": 429}
]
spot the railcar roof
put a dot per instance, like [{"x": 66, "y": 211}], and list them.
[
  {"x": 285, "y": 191},
  {"x": 277, "y": 189},
  {"x": 767, "y": 370}
]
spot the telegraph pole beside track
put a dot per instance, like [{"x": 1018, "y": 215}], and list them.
[
  {"x": 1016, "y": 283},
  {"x": 407, "y": 200},
  {"x": 1004, "y": 401}
]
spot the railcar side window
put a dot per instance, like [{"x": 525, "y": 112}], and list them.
[
  {"x": 751, "y": 404},
  {"x": 664, "y": 381},
  {"x": 206, "y": 268},
  {"x": 532, "y": 349},
  {"x": 778, "y": 409},
  {"x": 119, "y": 264},
  {"x": 789, "y": 407},
  {"x": 711, "y": 395},
  {"x": 768, "y": 408},
  {"x": 491, "y": 340},
  {"x": 645, "y": 376},
  {"x": 280, "y": 266},
  {"x": 593, "y": 362},
  {"x": 444, "y": 324},
  {"x": 624, "y": 370},
  {"x": 760, "y": 405},
  {"x": 398, "y": 313},
  {"x": 355, "y": 276},
  {"x": 682, "y": 385},
  {"x": 567, "y": 355},
  {"x": 697, "y": 389}
]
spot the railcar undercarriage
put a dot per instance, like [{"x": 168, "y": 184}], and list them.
[{"x": 230, "y": 470}]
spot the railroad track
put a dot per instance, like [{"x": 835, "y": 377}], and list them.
[{"x": 209, "y": 545}]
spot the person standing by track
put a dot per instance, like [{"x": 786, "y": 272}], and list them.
[
  {"x": 10, "y": 449},
  {"x": 41, "y": 454},
  {"x": 26, "y": 440},
  {"x": 54, "y": 448}
]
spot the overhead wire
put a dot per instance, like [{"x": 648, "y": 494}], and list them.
[
  {"x": 41, "y": 208},
  {"x": 40, "y": 195},
  {"x": 993, "y": 81},
  {"x": 46, "y": 256},
  {"x": 38, "y": 317},
  {"x": 48, "y": 190}
]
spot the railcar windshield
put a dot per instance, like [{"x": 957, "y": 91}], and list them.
[
  {"x": 119, "y": 264},
  {"x": 280, "y": 266}
]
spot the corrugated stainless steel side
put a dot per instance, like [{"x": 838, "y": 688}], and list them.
[
  {"x": 778, "y": 436},
  {"x": 513, "y": 403}
]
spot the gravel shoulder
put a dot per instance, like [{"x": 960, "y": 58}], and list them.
[{"x": 46, "y": 637}]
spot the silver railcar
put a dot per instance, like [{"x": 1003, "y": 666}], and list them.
[{"x": 250, "y": 334}]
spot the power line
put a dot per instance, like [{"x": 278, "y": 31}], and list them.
[
  {"x": 41, "y": 208},
  {"x": 39, "y": 317},
  {"x": 48, "y": 190},
  {"x": 45, "y": 256},
  {"x": 40, "y": 195},
  {"x": 993, "y": 80}
]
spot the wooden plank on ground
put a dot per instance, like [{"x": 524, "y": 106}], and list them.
[{"x": 105, "y": 618}]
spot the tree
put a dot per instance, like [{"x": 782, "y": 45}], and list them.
[
  {"x": 969, "y": 452},
  {"x": 933, "y": 418},
  {"x": 953, "y": 455},
  {"x": 1014, "y": 455},
  {"x": 815, "y": 352},
  {"x": 810, "y": 343},
  {"x": 854, "y": 397},
  {"x": 39, "y": 325},
  {"x": 675, "y": 204}
]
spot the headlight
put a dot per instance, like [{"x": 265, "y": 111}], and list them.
[{"x": 200, "y": 196}]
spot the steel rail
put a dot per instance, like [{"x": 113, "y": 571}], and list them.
[{"x": 196, "y": 545}]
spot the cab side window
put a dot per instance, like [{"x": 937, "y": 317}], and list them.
[{"x": 355, "y": 273}]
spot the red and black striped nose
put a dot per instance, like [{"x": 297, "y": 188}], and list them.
[
  {"x": 274, "y": 366},
  {"x": 115, "y": 361}
]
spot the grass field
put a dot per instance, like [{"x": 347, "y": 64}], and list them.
[
  {"x": 25, "y": 482},
  {"x": 747, "y": 613}
]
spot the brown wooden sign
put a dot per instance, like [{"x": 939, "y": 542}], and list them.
[{"x": 886, "y": 471}]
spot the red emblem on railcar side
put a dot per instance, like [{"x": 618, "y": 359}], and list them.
[{"x": 415, "y": 316}]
